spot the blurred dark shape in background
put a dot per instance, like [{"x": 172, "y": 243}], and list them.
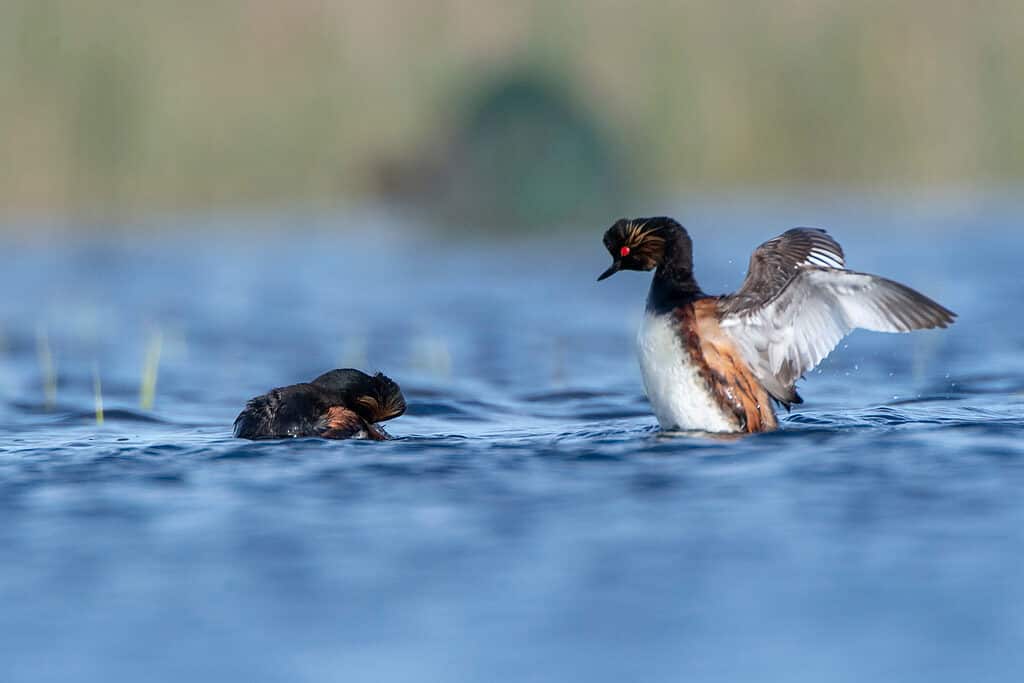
[
  {"x": 523, "y": 152},
  {"x": 115, "y": 108}
]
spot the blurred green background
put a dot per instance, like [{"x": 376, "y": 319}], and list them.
[{"x": 528, "y": 112}]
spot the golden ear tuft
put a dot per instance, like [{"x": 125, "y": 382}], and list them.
[
  {"x": 644, "y": 242},
  {"x": 385, "y": 402}
]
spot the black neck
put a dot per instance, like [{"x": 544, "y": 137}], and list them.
[{"x": 673, "y": 284}]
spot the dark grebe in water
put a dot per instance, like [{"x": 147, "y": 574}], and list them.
[
  {"x": 716, "y": 363},
  {"x": 340, "y": 404}
]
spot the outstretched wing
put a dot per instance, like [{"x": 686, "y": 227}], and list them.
[
  {"x": 798, "y": 302},
  {"x": 774, "y": 264}
]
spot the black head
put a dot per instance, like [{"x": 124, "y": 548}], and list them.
[
  {"x": 374, "y": 399},
  {"x": 646, "y": 243}
]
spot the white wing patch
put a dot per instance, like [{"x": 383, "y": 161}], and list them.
[
  {"x": 797, "y": 329},
  {"x": 826, "y": 258}
]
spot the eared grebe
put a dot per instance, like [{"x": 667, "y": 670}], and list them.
[
  {"x": 340, "y": 404},
  {"x": 715, "y": 363}
]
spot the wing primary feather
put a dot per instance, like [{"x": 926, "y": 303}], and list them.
[{"x": 784, "y": 333}]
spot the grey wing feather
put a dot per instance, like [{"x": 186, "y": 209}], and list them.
[
  {"x": 793, "y": 310},
  {"x": 776, "y": 262}
]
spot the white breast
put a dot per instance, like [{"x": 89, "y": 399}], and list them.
[{"x": 678, "y": 395}]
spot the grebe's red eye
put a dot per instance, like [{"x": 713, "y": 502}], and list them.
[{"x": 624, "y": 251}]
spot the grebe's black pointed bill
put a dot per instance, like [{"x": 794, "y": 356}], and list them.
[{"x": 614, "y": 268}]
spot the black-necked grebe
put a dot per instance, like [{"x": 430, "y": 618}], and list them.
[
  {"x": 715, "y": 363},
  {"x": 340, "y": 404}
]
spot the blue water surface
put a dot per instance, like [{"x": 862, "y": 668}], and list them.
[{"x": 528, "y": 522}]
